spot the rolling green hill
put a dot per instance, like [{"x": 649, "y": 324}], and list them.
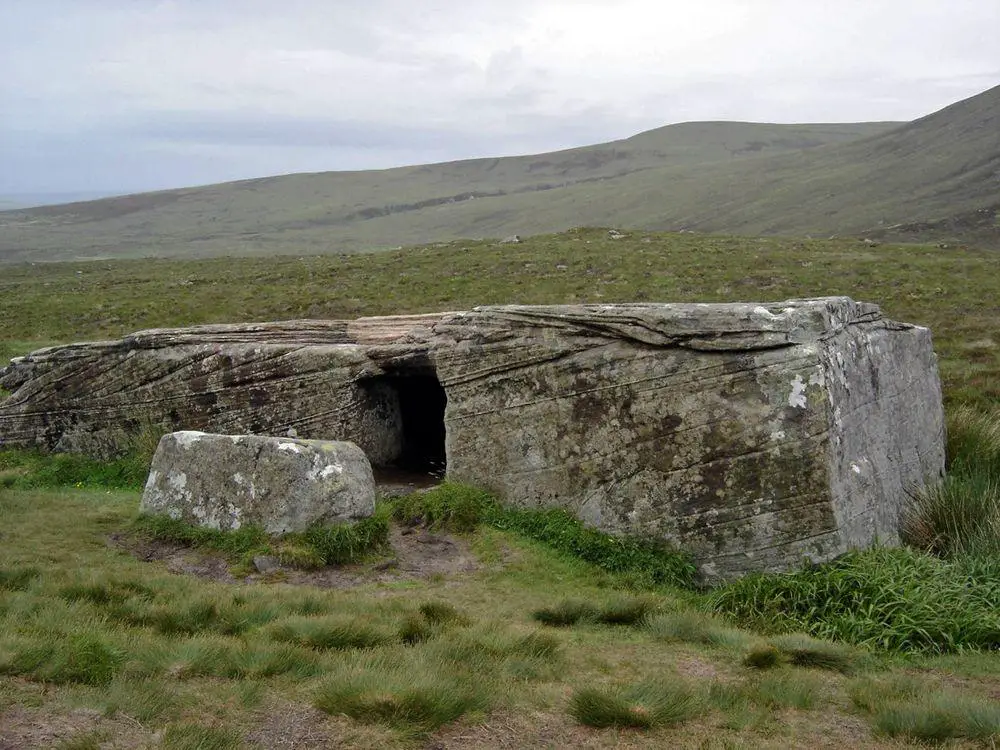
[
  {"x": 338, "y": 211},
  {"x": 920, "y": 180}
]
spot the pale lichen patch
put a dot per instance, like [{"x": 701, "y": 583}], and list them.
[{"x": 797, "y": 398}]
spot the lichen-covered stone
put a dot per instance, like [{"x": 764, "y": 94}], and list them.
[
  {"x": 754, "y": 435},
  {"x": 281, "y": 484}
]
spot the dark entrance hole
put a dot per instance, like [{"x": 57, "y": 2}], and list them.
[{"x": 409, "y": 412}]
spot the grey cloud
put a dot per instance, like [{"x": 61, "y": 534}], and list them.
[{"x": 105, "y": 95}]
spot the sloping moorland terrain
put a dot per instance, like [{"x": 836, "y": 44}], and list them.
[
  {"x": 936, "y": 178},
  {"x": 119, "y": 632},
  {"x": 349, "y": 211}
]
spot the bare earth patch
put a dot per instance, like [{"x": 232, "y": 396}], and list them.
[
  {"x": 294, "y": 726},
  {"x": 416, "y": 553},
  {"x": 44, "y": 727},
  {"x": 540, "y": 730}
]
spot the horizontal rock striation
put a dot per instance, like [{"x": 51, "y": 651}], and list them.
[{"x": 752, "y": 435}]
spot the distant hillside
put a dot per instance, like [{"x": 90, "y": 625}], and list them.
[
  {"x": 934, "y": 178},
  {"x": 11, "y": 201},
  {"x": 349, "y": 211}
]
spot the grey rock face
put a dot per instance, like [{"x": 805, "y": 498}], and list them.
[
  {"x": 755, "y": 436},
  {"x": 282, "y": 484}
]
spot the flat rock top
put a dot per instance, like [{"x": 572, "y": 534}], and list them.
[{"x": 697, "y": 325}]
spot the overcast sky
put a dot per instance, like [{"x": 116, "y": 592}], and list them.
[{"x": 126, "y": 95}]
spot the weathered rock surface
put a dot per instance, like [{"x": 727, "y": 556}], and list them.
[
  {"x": 752, "y": 435},
  {"x": 284, "y": 485}
]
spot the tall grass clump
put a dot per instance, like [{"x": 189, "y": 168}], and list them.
[
  {"x": 415, "y": 692},
  {"x": 17, "y": 579},
  {"x": 449, "y": 507},
  {"x": 621, "y": 611},
  {"x": 420, "y": 706},
  {"x": 960, "y": 516},
  {"x": 642, "y": 706},
  {"x": 349, "y": 542},
  {"x": 691, "y": 626},
  {"x": 81, "y": 658},
  {"x": 895, "y": 599},
  {"x": 330, "y": 633},
  {"x": 974, "y": 441},
  {"x": 938, "y": 717}
]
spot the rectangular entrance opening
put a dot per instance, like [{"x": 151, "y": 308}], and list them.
[{"x": 408, "y": 412}]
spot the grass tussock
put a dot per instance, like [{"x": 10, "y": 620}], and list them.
[
  {"x": 691, "y": 626},
  {"x": 800, "y": 650},
  {"x": 642, "y": 706},
  {"x": 765, "y": 656},
  {"x": 786, "y": 688},
  {"x": 960, "y": 516},
  {"x": 418, "y": 703},
  {"x": 81, "y": 658},
  {"x": 17, "y": 578},
  {"x": 448, "y": 507},
  {"x": 567, "y": 613},
  {"x": 442, "y": 613},
  {"x": 622, "y": 611},
  {"x": 330, "y": 633},
  {"x": 938, "y": 718},
  {"x": 892, "y": 599}
]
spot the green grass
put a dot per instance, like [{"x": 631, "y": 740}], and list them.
[
  {"x": 391, "y": 664},
  {"x": 955, "y": 292},
  {"x": 939, "y": 718},
  {"x": 787, "y": 689},
  {"x": 337, "y": 212},
  {"x": 893, "y": 599},
  {"x": 643, "y": 562},
  {"x": 619, "y": 611},
  {"x": 315, "y": 547},
  {"x": 414, "y": 703},
  {"x": 960, "y": 517},
  {"x": 692, "y": 626},
  {"x": 456, "y": 507},
  {"x": 34, "y": 469},
  {"x": 734, "y": 177},
  {"x": 449, "y": 506},
  {"x": 17, "y": 579},
  {"x": 800, "y": 650},
  {"x": 641, "y": 706},
  {"x": 330, "y": 632},
  {"x": 99, "y": 629},
  {"x": 82, "y": 658},
  {"x": 197, "y": 737}
]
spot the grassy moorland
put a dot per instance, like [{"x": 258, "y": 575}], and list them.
[
  {"x": 350, "y": 211},
  {"x": 934, "y": 177},
  {"x": 955, "y": 290},
  {"x": 119, "y": 632}
]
